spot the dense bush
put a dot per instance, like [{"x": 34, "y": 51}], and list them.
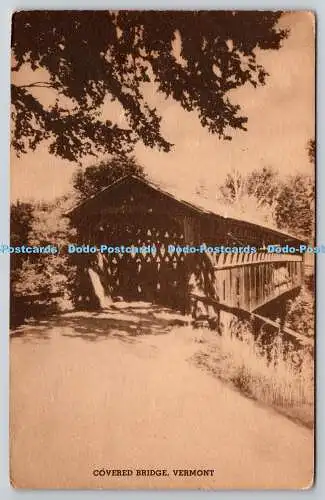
[
  {"x": 301, "y": 313},
  {"x": 39, "y": 282}
]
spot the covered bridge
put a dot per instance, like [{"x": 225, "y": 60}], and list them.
[{"x": 135, "y": 211}]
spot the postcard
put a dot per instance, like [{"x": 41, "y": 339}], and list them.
[{"x": 162, "y": 249}]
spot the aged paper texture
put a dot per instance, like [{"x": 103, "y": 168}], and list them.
[{"x": 162, "y": 250}]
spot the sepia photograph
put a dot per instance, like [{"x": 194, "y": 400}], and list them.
[{"x": 162, "y": 249}]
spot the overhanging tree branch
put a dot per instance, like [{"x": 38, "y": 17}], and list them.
[{"x": 122, "y": 51}]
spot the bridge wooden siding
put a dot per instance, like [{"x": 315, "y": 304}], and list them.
[
  {"x": 250, "y": 281},
  {"x": 136, "y": 211}
]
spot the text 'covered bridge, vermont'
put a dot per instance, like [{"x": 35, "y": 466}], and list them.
[{"x": 134, "y": 211}]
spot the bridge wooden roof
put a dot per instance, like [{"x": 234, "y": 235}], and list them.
[{"x": 194, "y": 205}]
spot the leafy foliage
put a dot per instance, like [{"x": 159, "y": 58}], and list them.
[
  {"x": 94, "y": 178},
  {"x": 252, "y": 194},
  {"x": 38, "y": 279},
  {"x": 295, "y": 211},
  {"x": 260, "y": 183},
  {"x": 92, "y": 57},
  {"x": 301, "y": 313},
  {"x": 286, "y": 203}
]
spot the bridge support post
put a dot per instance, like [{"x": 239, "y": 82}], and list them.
[
  {"x": 282, "y": 314},
  {"x": 224, "y": 322}
]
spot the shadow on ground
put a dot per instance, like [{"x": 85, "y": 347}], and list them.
[{"x": 125, "y": 322}]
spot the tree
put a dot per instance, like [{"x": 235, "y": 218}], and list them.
[
  {"x": 285, "y": 203},
  {"x": 295, "y": 206},
  {"x": 21, "y": 221},
  {"x": 254, "y": 193},
  {"x": 234, "y": 187},
  {"x": 263, "y": 184},
  {"x": 21, "y": 218},
  {"x": 94, "y": 178},
  {"x": 39, "y": 283},
  {"x": 90, "y": 57},
  {"x": 296, "y": 202}
]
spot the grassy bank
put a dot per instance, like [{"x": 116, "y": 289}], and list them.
[{"x": 280, "y": 376}]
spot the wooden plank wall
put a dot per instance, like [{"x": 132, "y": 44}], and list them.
[{"x": 253, "y": 283}]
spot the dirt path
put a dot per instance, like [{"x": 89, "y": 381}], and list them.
[{"x": 124, "y": 401}]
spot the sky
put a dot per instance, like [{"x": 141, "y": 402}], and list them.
[{"x": 281, "y": 120}]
